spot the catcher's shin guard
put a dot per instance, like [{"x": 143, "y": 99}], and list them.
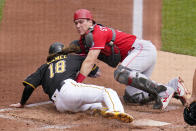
[
  {"x": 181, "y": 92},
  {"x": 139, "y": 81},
  {"x": 150, "y": 87}
]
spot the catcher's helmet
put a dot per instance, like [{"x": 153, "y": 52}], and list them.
[
  {"x": 55, "y": 48},
  {"x": 83, "y": 14},
  {"x": 190, "y": 114}
]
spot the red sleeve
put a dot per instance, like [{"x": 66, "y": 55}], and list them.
[{"x": 101, "y": 36}]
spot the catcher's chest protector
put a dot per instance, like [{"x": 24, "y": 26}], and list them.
[{"x": 114, "y": 58}]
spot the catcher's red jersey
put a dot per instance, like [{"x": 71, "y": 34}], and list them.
[{"x": 103, "y": 35}]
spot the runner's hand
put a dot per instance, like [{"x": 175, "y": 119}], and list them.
[{"x": 18, "y": 105}]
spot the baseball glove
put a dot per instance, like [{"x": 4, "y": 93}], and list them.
[
  {"x": 95, "y": 72},
  {"x": 190, "y": 114}
]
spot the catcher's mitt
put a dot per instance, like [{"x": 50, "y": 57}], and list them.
[
  {"x": 95, "y": 72},
  {"x": 190, "y": 114}
]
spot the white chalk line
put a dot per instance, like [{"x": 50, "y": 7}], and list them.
[
  {"x": 38, "y": 104},
  {"x": 14, "y": 118},
  {"x": 44, "y": 126},
  {"x": 58, "y": 126},
  {"x": 30, "y": 105},
  {"x": 6, "y": 109}
]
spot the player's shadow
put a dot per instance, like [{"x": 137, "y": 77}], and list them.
[{"x": 141, "y": 107}]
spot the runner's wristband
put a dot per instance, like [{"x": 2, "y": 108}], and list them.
[{"x": 80, "y": 78}]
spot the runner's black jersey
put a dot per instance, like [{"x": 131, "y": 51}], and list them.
[{"x": 51, "y": 74}]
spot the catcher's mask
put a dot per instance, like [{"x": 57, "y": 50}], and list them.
[{"x": 55, "y": 48}]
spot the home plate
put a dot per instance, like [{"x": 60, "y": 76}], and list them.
[{"x": 148, "y": 122}]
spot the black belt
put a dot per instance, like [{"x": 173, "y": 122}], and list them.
[
  {"x": 61, "y": 84},
  {"x": 58, "y": 88}
]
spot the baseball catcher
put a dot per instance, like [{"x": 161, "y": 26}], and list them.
[
  {"x": 133, "y": 58},
  {"x": 57, "y": 78}
]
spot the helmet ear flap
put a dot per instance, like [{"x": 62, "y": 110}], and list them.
[{"x": 56, "y": 48}]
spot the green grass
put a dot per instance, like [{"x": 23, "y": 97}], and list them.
[
  {"x": 179, "y": 26},
  {"x": 1, "y": 8}
]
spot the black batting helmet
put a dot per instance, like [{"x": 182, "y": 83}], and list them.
[{"x": 56, "y": 47}]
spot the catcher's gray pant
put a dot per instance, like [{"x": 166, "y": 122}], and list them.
[
  {"x": 141, "y": 59},
  {"x": 77, "y": 97}
]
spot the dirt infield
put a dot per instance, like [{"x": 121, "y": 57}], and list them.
[{"x": 28, "y": 28}]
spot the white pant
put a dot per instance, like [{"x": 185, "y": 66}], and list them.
[{"x": 77, "y": 97}]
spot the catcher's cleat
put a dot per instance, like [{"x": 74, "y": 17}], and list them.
[
  {"x": 167, "y": 97},
  {"x": 118, "y": 115},
  {"x": 180, "y": 90}
]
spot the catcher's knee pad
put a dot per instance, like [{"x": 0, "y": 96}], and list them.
[
  {"x": 125, "y": 75},
  {"x": 136, "y": 79},
  {"x": 121, "y": 75},
  {"x": 190, "y": 114}
]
